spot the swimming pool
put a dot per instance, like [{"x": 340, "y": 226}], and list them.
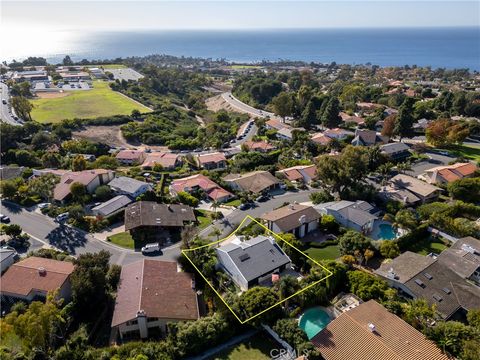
[
  {"x": 386, "y": 232},
  {"x": 313, "y": 321}
]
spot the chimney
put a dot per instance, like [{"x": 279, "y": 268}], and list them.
[
  {"x": 42, "y": 271},
  {"x": 372, "y": 328}
]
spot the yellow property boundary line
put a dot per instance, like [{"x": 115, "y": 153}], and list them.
[{"x": 248, "y": 217}]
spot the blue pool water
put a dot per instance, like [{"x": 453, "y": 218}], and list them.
[
  {"x": 387, "y": 232},
  {"x": 313, "y": 321}
]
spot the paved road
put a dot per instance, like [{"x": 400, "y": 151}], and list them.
[
  {"x": 242, "y": 107},
  {"x": 231, "y": 222},
  {"x": 5, "y": 114},
  {"x": 43, "y": 229}
]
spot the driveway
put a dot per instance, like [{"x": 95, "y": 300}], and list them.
[{"x": 434, "y": 160}]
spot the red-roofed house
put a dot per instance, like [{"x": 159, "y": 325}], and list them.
[
  {"x": 274, "y": 124},
  {"x": 212, "y": 161},
  {"x": 321, "y": 139},
  {"x": 151, "y": 294},
  {"x": 168, "y": 161},
  {"x": 300, "y": 173},
  {"x": 90, "y": 178},
  {"x": 450, "y": 173},
  {"x": 131, "y": 157},
  {"x": 260, "y": 146},
  {"x": 337, "y": 133},
  {"x": 33, "y": 277},
  {"x": 200, "y": 182},
  {"x": 352, "y": 119}
]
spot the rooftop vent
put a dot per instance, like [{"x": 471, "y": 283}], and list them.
[
  {"x": 419, "y": 283},
  {"x": 42, "y": 271},
  {"x": 428, "y": 276},
  {"x": 244, "y": 257},
  {"x": 372, "y": 327}
]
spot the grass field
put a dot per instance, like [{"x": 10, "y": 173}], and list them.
[
  {"x": 256, "y": 348},
  {"x": 122, "y": 239},
  {"x": 235, "y": 203},
  {"x": 467, "y": 151},
  {"x": 427, "y": 246},
  {"x": 203, "y": 218},
  {"x": 327, "y": 253},
  {"x": 84, "y": 104}
]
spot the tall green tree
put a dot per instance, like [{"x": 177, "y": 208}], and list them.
[
  {"x": 331, "y": 115},
  {"x": 22, "y": 107},
  {"x": 404, "y": 120},
  {"x": 283, "y": 104}
]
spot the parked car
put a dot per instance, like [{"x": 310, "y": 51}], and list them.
[
  {"x": 151, "y": 248},
  {"x": 62, "y": 217},
  {"x": 4, "y": 218},
  {"x": 262, "y": 198},
  {"x": 4, "y": 101},
  {"x": 43, "y": 205},
  {"x": 245, "y": 206}
]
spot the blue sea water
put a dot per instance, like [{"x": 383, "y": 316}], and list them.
[{"x": 435, "y": 47}]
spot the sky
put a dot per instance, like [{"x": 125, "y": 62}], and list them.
[{"x": 41, "y": 16}]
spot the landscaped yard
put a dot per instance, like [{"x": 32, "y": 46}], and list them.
[
  {"x": 203, "y": 218},
  {"x": 122, "y": 239},
  {"x": 427, "y": 246},
  {"x": 257, "y": 347},
  {"x": 330, "y": 252},
  {"x": 84, "y": 104},
  {"x": 235, "y": 203}
]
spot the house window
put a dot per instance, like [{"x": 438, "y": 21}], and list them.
[{"x": 151, "y": 319}]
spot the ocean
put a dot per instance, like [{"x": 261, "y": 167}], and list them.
[{"x": 435, "y": 47}]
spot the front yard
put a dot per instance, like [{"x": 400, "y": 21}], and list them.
[
  {"x": 204, "y": 218},
  {"x": 467, "y": 151},
  {"x": 123, "y": 239}
]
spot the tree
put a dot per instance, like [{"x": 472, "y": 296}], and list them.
[
  {"x": 309, "y": 116},
  {"x": 389, "y": 249},
  {"x": 79, "y": 163},
  {"x": 136, "y": 114},
  {"x": 418, "y": 313},
  {"x": 404, "y": 121},
  {"x": 467, "y": 189},
  {"x": 287, "y": 286},
  {"x": 255, "y": 300},
  {"x": 187, "y": 199},
  {"x": 106, "y": 162},
  {"x": 368, "y": 254},
  {"x": 76, "y": 212},
  {"x": 328, "y": 223},
  {"x": 8, "y": 188},
  {"x": 78, "y": 191},
  {"x": 22, "y": 107},
  {"x": 353, "y": 241},
  {"x": 89, "y": 284},
  {"x": 320, "y": 197},
  {"x": 103, "y": 192},
  {"x": 12, "y": 230},
  {"x": 51, "y": 160},
  {"x": 43, "y": 186},
  {"x": 367, "y": 286},
  {"x": 289, "y": 242},
  {"x": 448, "y": 335},
  {"x": 331, "y": 115},
  {"x": 406, "y": 219},
  {"x": 67, "y": 61},
  {"x": 283, "y": 104}
]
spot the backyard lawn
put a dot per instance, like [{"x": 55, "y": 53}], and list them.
[
  {"x": 203, "y": 218},
  {"x": 327, "y": 253},
  {"x": 257, "y": 347},
  {"x": 84, "y": 104},
  {"x": 122, "y": 239},
  {"x": 427, "y": 246}
]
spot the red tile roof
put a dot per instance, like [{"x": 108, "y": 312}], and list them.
[
  {"x": 349, "y": 337},
  {"x": 321, "y": 139},
  {"x": 211, "y": 158},
  {"x": 23, "y": 277},
  {"x": 85, "y": 177},
  {"x": 157, "y": 288},
  {"x": 164, "y": 159},
  {"x": 130, "y": 154},
  {"x": 259, "y": 145},
  {"x": 213, "y": 190}
]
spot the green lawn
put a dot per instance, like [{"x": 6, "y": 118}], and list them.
[
  {"x": 235, "y": 203},
  {"x": 467, "y": 151},
  {"x": 203, "y": 218},
  {"x": 122, "y": 239},
  {"x": 327, "y": 253},
  {"x": 257, "y": 347},
  {"x": 427, "y": 246},
  {"x": 84, "y": 104}
]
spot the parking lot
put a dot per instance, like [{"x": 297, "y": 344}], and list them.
[{"x": 125, "y": 74}]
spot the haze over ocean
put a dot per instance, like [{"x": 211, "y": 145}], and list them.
[{"x": 435, "y": 47}]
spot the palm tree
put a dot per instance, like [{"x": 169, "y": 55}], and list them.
[
  {"x": 404, "y": 167},
  {"x": 384, "y": 170},
  {"x": 288, "y": 286}
]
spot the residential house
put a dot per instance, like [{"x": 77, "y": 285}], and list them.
[
  {"x": 396, "y": 151},
  {"x": 321, "y": 139},
  {"x": 274, "y": 124},
  {"x": 167, "y": 160},
  {"x": 357, "y": 120},
  {"x": 7, "y": 258},
  {"x": 260, "y": 146},
  {"x": 446, "y": 281},
  {"x": 212, "y": 161},
  {"x": 449, "y": 173},
  {"x": 286, "y": 133},
  {"x": 33, "y": 277},
  {"x": 199, "y": 182},
  {"x": 151, "y": 294},
  {"x": 250, "y": 262},
  {"x": 337, "y": 133},
  {"x": 112, "y": 207},
  {"x": 394, "y": 193},
  {"x": 371, "y": 332},
  {"x": 365, "y": 137},
  {"x": 356, "y": 215},
  {"x": 425, "y": 192},
  {"x": 90, "y": 178},
  {"x": 131, "y": 157},
  {"x": 133, "y": 188},
  {"x": 148, "y": 220},
  {"x": 293, "y": 218},
  {"x": 301, "y": 173},
  {"x": 255, "y": 182},
  {"x": 368, "y": 106}
]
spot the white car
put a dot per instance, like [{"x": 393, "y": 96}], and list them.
[
  {"x": 43, "y": 205},
  {"x": 62, "y": 217},
  {"x": 150, "y": 248}
]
